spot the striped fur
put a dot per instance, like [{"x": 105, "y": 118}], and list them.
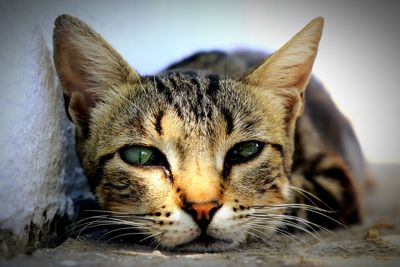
[{"x": 194, "y": 113}]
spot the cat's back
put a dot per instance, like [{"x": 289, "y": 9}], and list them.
[{"x": 321, "y": 125}]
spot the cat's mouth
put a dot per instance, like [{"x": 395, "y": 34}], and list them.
[{"x": 206, "y": 243}]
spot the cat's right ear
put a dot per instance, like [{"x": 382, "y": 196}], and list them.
[
  {"x": 86, "y": 65},
  {"x": 286, "y": 73}
]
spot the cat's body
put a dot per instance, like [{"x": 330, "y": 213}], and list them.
[{"x": 207, "y": 154}]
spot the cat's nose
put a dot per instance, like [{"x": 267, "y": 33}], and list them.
[{"x": 202, "y": 213}]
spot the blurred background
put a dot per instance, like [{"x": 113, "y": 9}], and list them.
[{"x": 358, "y": 60}]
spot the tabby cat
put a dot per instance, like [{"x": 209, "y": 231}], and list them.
[{"x": 212, "y": 151}]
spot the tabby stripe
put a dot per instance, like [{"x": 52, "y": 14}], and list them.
[
  {"x": 196, "y": 83},
  {"x": 213, "y": 85},
  {"x": 178, "y": 110},
  {"x": 199, "y": 97},
  {"x": 316, "y": 160},
  {"x": 249, "y": 125},
  {"x": 228, "y": 119},
  {"x": 226, "y": 171},
  {"x": 158, "y": 122},
  {"x": 100, "y": 171},
  {"x": 335, "y": 172},
  {"x": 162, "y": 89},
  {"x": 279, "y": 148},
  {"x": 172, "y": 81}
]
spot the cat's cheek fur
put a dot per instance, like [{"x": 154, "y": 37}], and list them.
[
  {"x": 182, "y": 230},
  {"x": 228, "y": 225}
]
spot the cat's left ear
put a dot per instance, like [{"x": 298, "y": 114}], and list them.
[
  {"x": 286, "y": 73},
  {"x": 87, "y": 67}
]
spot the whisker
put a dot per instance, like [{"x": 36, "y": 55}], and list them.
[
  {"x": 102, "y": 221},
  {"x": 299, "y": 227},
  {"x": 109, "y": 223},
  {"x": 264, "y": 234},
  {"x": 308, "y": 223},
  {"x": 305, "y": 192},
  {"x": 110, "y": 212},
  {"x": 116, "y": 230},
  {"x": 126, "y": 234},
  {"x": 93, "y": 225},
  {"x": 84, "y": 223},
  {"x": 107, "y": 217},
  {"x": 258, "y": 237},
  {"x": 96, "y": 224},
  {"x": 76, "y": 224},
  {"x": 150, "y": 236},
  {"x": 320, "y": 212},
  {"x": 157, "y": 242},
  {"x": 284, "y": 221},
  {"x": 306, "y": 195},
  {"x": 308, "y": 208},
  {"x": 293, "y": 205},
  {"x": 110, "y": 218},
  {"x": 275, "y": 229}
]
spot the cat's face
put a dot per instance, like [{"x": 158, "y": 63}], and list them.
[
  {"x": 178, "y": 143},
  {"x": 186, "y": 158}
]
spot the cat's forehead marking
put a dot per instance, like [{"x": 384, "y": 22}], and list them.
[
  {"x": 187, "y": 94},
  {"x": 198, "y": 99}
]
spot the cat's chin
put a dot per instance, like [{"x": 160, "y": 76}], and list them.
[{"x": 206, "y": 244}]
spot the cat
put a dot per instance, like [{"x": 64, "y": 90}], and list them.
[{"x": 218, "y": 148}]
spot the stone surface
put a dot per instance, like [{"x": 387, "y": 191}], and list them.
[{"x": 374, "y": 243}]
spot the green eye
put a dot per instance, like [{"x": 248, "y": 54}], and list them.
[
  {"x": 138, "y": 155},
  {"x": 244, "y": 151}
]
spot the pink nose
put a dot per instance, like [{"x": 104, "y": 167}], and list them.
[{"x": 203, "y": 211}]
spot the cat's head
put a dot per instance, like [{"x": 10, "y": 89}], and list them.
[{"x": 186, "y": 158}]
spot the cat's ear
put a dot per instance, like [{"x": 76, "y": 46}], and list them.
[
  {"x": 287, "y": 71},
  {"x": 86, "y": 65}
]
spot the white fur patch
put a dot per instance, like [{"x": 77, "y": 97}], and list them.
[
  {"x": 219, "y": 161},
  {"x": 226, "y": 225},
  {"x": 183, "y": 230},
  {"x": 170, "y": 154}
]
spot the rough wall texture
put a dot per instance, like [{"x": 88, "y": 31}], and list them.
[{"x": 40, "y": 180}]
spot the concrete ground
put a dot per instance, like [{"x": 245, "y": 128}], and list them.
[{"x": 374, "y": 243}]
